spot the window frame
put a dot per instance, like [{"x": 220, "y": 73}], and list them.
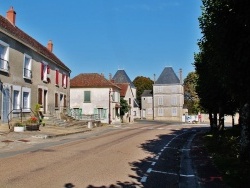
[
  {"x": 16, "y": 104},
  {"x": 85, "y": 97},
  {"x": 174, "y": 111},
  {"x": 5, "y": 60},
  {"x": 27, "y": 90},
  {"x": 27, "y": 68},
  {"x": 44, "y": 71},
  {"x": 160, "y": 111}
]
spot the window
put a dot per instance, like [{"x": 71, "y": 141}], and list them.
[
  {"x": 129, "y": 101},
  {"x": 174, "y": 111},
  {"x": 56, "y": 100},
  {"x": 160, "y": 111},
  {"x": 160, "y": 101},
  {"x": 64, "y": 80},
  {"x": 174, "y": 101},
  {"x": 57, "y": 77},
  {"x": 45, "y": 70},
  {"x": 101, "y": 112},
  {"x": 87, "y": 96},
  {"x": 4, "y": 56},
  {"x": 26, "y": 99},
  {"x": 27, "y": 66},
  {"x": 64, "y": 101},
  {"x": 16, "y": 97}
]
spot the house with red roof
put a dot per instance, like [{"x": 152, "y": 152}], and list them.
[
  {"x": 30, "y": 73},
  {"x": 95, "y": 98}
]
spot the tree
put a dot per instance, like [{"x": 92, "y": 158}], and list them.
[
  {"x": 124, "y": 107},
  {"x": 142, "y": 83},
  {"x": 223, "y": 62},
  {"x": 191, "y": 99}
]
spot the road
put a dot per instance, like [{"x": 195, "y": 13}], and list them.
[{"x": 144, "y": 154}]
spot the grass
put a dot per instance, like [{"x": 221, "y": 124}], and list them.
[{"x": 224, "y": 149}]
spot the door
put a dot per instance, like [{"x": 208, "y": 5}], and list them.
[{"x": 6, "y": 103}]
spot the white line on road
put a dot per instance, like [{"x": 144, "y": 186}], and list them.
[
  {"x": 153, "y": 163},
  {"x": 144, "y": 179},
  {"x": 149, "y": 170},
  {"x": 188, "y": 176}
]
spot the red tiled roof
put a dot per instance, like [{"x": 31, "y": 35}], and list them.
[
  {"x": 124, "y": 88},
  {"x": 91, "y": 80},
  {"x": 18, "y": 34}
]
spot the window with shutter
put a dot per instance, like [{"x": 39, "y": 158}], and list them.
[
  {"x": 87, "y": 96},
  {"x": 57, "y": 77}
]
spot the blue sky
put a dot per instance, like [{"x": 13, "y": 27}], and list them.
[{"x": 101, "y": 36}]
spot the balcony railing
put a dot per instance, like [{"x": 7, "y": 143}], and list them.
[{"x": 4, "y": 65}]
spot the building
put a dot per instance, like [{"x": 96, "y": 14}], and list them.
[
  {"x": 168, "y": 95},
  {"x": 30, "y": 74},
  {"x": 147, "y": 104},
  {"x": 95, "y": 98},
  {"x": 121, "y": 77}
]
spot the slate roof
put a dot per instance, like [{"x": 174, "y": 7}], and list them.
[
  {"x": 122, "y": 77},
  {"x": 91, "y": 80},
  {"x": 124, "y": 88},
  {"x": 147, "y": 93},
  {"x": 168, "y": 76},
  {"x": 18, "y": 34}
]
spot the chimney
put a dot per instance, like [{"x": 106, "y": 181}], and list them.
[
  {"x": 50, "y": 46},
  {"x": 110, "y": 76},
  {"x": 180, "y": 76},
  {"x": 11, "y": 16}
]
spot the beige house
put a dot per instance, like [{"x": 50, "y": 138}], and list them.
[
  {"x": 93, "y": 97},
  {"x": 166, "y": 100},
  {"x": 168, "y": 94},
  {"x": 30, "y": 74}
]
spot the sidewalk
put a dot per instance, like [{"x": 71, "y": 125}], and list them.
[{"x": 207, "y": 173}]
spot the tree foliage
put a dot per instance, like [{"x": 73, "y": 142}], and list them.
[
  {"x": 142, "y": 83},
  {"x": 191, "y": 99},
  {"x": 222, "y": 64},
  {"x": 124, "y": 106}
]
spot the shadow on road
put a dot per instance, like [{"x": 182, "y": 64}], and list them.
[{"x": 152, "y": 147}]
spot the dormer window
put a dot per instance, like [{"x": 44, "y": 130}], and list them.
[
  {"x": 4, "y": 56},
  {"x": 27, "y": 67}
]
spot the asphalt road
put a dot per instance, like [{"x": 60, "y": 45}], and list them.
[{"x": 145, "y": 154}]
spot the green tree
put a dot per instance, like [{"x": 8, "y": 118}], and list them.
[
  {"x": 142, "y": 83},
  {"x": 124, "y": 107},
  {"x": 191, "y": 99},
  {"x": 223, "y": 62}
]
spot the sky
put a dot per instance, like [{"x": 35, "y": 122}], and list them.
[{"x": 141, "y": 37}]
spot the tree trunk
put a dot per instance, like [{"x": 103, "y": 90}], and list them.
[
  {"x": 221, "y": 119},
  {"x": 215, "y": 123},
  {"x": 245, "y": 130},
  {"x": 211, "y": 120}
]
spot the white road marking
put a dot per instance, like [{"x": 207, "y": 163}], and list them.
[
  {"x": 149, "y": 170},
  {"x": 188, "y": 176},
  {"x": 153, "y": 163},
  {"x": 144, "y": 179}
]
